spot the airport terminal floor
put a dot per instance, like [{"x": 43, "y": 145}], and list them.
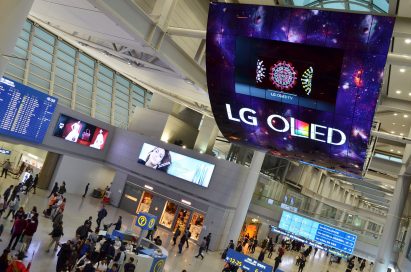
[{"x": 78, "y": 209}]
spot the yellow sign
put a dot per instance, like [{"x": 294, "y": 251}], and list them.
[
  {"x": 142, "y": 220},
  {"x": 151, "y": 223},
  {"x": 159, "y": 266}
]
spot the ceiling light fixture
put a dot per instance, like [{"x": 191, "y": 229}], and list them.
[
  {"x": 398, "y": 91},
  {"x": 395, "y": 114},
  {"x": 409, "y": 94},
  {"x": 189, "y": 81},
  {"x": 393, "y": 124},
  {"x": 405, "y": 115},
  {"x": 392, "y": 132},
  {"x": 407, "y": 41},
  {"x": 402, "y": 134},
  {"x": 402, "y": 70},
  {"x": 399, "y": 152},
  {"x": 403, "y": 125},
  {"x": 391, "y": 150}
]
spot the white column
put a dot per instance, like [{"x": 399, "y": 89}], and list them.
[
  {"x": 341, "y": 219},
  {"x": 206, "y": 135},
  {"x": 319, "y": 208},
  {"x": 14, "y": 14},
  {"x": 246, "y": 195},
  {"x": 392, "y": 223}
]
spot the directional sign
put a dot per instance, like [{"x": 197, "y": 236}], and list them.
[
  {"x": 246, "y": 263},
  {"x": 146, "y": 221}
]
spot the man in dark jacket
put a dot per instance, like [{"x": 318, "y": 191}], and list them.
[
  {"x": 100, "y": 216},
  {"x": 82, "y": 232},
  {"x": 7, "y": 193},
  {"x": 54, "y": 190},
  {"x": 64, "y": 256},
  {"x": 119, "y": 223}
]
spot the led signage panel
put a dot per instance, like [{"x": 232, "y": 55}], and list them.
[
  {"x": 245, "y": 262},
  {"x": 25, "y": 113},
  {"x": 317, "y": 232},
  {"x": 302, "y": 84},
  {"x": 77, "y": 131},
  {"x": 177, "y": 165}
]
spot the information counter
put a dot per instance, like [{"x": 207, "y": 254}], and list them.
[{"x": 150, "y": 257}]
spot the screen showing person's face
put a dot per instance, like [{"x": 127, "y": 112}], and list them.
[{"x": 156, "y": 156}]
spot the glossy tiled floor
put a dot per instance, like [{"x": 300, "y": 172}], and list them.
[{"x": 78, "y": 209}]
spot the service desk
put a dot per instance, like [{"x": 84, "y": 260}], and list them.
[{"x": 148, "y": 259}]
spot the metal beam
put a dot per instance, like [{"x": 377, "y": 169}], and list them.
[
  {"x": 187, "y": 32},
  {"x": 133, "y": 20}
]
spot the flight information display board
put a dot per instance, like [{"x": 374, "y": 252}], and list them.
[
  {"x": 320, "y": 233},
  {"x": 25, "y": 113}
]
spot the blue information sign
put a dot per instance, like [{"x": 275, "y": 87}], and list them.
[
  {"x": 320, "y": 233},
  {"x": 146, "y": 221},
  {"x": 246, "y": 263},
  {"x": 25, "y": 113}
]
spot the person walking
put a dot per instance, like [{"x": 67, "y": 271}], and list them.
[
  {"x": 17, "y": 230},
  {"x": 54, "y": 190},
  {"x": 176, "y": 235},
  {"x": 64, "y": 256},
  {"x": 277, "y": 262},
  {"x": 7, "y": 193},
  {"x": 188, "y": 236},
  {"x": 4, "y": 260},
  {"x": 56, "y": 234},
  {"x": 130, "y": 266},
  {"x": 183, "y": 240},
  {"x": 35, "y": 182},
  {"x": 100, "y": 215},
  {"x": 270, "y": 250},
  {"x": 362, "y": 265},
  {"x": 31, "y": 228},
  {"x": 208, "y": 240},
  {"x": 6, "y": 168},
  {"x": 86, "y": 190},
  {"x": 302, "y": 263},
  {"x": 62, "y": 189},
  {"x": 17, "y": 265},
  {"x": 117, "y": 225},
  {"x": 203, "y": 246},
  {"x": 13, "y": 206},
  {"x": 261, "y": 255}
]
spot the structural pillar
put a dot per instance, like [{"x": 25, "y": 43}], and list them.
[
  {"x": 206, "y": 135},
  {"x": 14, "y": 15},
  {"x": 318, "y": 209},
  {"x": 392, "y": 223},
  {"x": 246, "y": 195},
  {"x": 341, "y": 219}
]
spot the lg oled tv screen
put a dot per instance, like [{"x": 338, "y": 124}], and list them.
[
  {"x": 177, "y": 165},
  {"x": 302, "y": 84},
  {"x": 80, "y": 132}
]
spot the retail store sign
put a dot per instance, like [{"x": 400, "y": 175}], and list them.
[
  {"x": 5, "y": 151},
  {"x": 146, "y": 221},
  {"x": 246, "y": 263}
]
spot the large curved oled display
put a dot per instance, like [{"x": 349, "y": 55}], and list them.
[{"x": 300, "y": 83}]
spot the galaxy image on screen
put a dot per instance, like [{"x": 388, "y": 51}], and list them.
[{"x": 300, "y": 83}]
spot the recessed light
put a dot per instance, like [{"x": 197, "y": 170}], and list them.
[
  {"x": 395, "y": 114},
  {"x": 399, "y": 152},
  {"x": 403, "y": 125},
  {"x": 391, "y": 150},
  {"x": 407, "y": 41},
  {"x": 398, "y": 91},
  {"x": 393, "y": 124},
  {"x": 402, "y": 70},
  {"x": 402, "y": 134},
  {"x": 392, "y": 132},
  {"x": 405, "y": 115}
]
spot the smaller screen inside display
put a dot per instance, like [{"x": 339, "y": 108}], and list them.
[{"x": 77, "y": 131}]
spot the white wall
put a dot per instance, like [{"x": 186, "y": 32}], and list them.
[{"x": 78, "y": 172}]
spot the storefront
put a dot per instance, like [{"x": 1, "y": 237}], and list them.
[{"x": 172, "y": 214}]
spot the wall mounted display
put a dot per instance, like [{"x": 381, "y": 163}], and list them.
[
  {"x": 300, "y": 83},
  {"x": 246, "y": 263},
  {"x": 25, "y": 113},
  {"x": 317, "y": 232},
  {"x": 77, "y": 131},
  {"x": 177, "y": 165}
]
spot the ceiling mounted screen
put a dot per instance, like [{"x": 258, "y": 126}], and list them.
[{"x": 300, "y": 83}]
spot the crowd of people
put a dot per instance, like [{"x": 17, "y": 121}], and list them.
[{"x": 247, "y": 246}]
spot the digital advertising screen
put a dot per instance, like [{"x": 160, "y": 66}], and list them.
[
  {"x": 302, "y": 84},
  {"x": 246, "y": 263},
  {"x": 25, "y": 113},
  {"x": 322, "y": 234},
  {"x": 77, "y": 131},
  {"x": 177, "y": 165}
]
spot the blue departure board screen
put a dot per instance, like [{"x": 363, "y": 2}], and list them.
[
  {"x": 25, "y": 113},
  {"x": 320, "y": 233}
]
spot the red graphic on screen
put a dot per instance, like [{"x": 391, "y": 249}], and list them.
[{"x": 283, "y": 75}]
